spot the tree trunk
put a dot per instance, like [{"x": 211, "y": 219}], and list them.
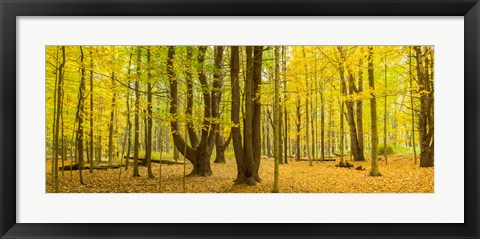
[
  {"x": 306, "y": 109},
  {"x": 91, "y": 112},
  {"x": 249, "y": 115},
  {"x": 285, "y": 139},
  {"x": 244, "y": 170},
  {"x": 136, "y": 143},
  {"x": 412, "y": 105},
  {"x": 148, "y": 136},
  {"x": 110, "y": 126},
  {"x": 189, "y": 109},
  {"x": 257, "y": 79},
  {"x": 354, "y": 142},
  {"x": 426, "y": 106},
  {"x": 57, "y": 113},
  {"x": 276, "y": 121},
  {"x": 81, "y": 112},
  {"x": 373, "y": 114},
  {"x": 129, "y": 123},
  {"x": 299, "y": 119},
  {"x": 199, "y": 156},
  {"x": 360, "y": 111},
  {"x": 385, "y": 117}
]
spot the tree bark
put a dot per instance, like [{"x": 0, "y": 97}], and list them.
[
  {"x": 306, "y": 108},
  {"x": 373, "y": 114},
  {"x": 57, "y": 110},
  {"x": 91, "y": 111},
  {"x": 136, "y": 143},
  {"x": 148, "y": 136},
  {"x": 257, "y": 79},
  {"x": 276, "y": 121},
  {"x": 199, "y": 156},
  {"x": 80, "y": 115},
  {"x": 248, "y": 125},
  {"x": 285, "y": 134},
  {"x": 425, "y": 126},
  {"x": 244, "y": 172}
]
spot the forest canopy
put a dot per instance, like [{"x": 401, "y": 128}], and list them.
[{"x": 239, "y": 118}]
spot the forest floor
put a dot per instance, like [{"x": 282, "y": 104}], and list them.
[{"x": 400, "y": 175}]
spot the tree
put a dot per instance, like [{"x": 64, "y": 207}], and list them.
[
  {"x": 352, "y": 89},
  {"x": 136, "y": 143},
  {"x": 91, "y": 111},
  {"x": 373, "y": 114},
  {"x": 80, "y": 114},
  {"x": 112, "y": 114},
  {"x": 58, "y": 103},
  {"x": 148, "y": 135},
  {"x": 276, "y": 120},
  {"x": 424, "y": 58},
  {"x": 306, "y": 108},
  {"x": 199, "y": 156}
]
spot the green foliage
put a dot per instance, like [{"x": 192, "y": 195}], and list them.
[{"x": 390, "y": 149}]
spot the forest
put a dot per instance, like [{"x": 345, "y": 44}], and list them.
[{"x": 248, "y": 119}]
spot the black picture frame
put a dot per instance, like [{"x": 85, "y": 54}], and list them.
[{"x": 10, "y": 9}]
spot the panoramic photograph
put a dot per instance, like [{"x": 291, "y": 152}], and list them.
[{"x": 239, "y": 119}]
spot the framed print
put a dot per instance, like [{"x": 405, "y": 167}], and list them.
[{"x": 239, "y": 119}]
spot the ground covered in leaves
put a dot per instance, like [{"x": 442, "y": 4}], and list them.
[{"x": 400, "y": 175}]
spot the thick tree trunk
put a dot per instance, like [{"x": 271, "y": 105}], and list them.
[
  {"x": 354, "y": 141},
  {"x": 199, "y": 156},
  {"x": 244, "y": 174},
  {"x": 220, "y": 146},
  {"x": 426, "y": 106},
  {"x": 248, "y": 125}
]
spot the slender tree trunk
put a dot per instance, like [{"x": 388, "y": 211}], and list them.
[
  {"x": 373, "y": 114},
  {"x": 284, "y": 69},
  {"x": 267, "y": 133},
  {"x": 189, "y": 109},
  {"x": 360, "y": 111},
  {"x": 307, "y": 143},
  {"x": 136, "y": 143},
  {"x": 91, "y": 111},
  {"x": 412, "y": 105},
  {"x": 112, "y": 117},
  {"x": 299, "y": 119},
  {"x": 385, "y": 151},
  {"x": 80, "y": 116},
  {"x": 129, "y": 123},
  {"x": 322, "y": 123},
  {"x": 276, "y": 121},
  {"x": 58, "y": 111},
  {"x": 148, "y": 136}
]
